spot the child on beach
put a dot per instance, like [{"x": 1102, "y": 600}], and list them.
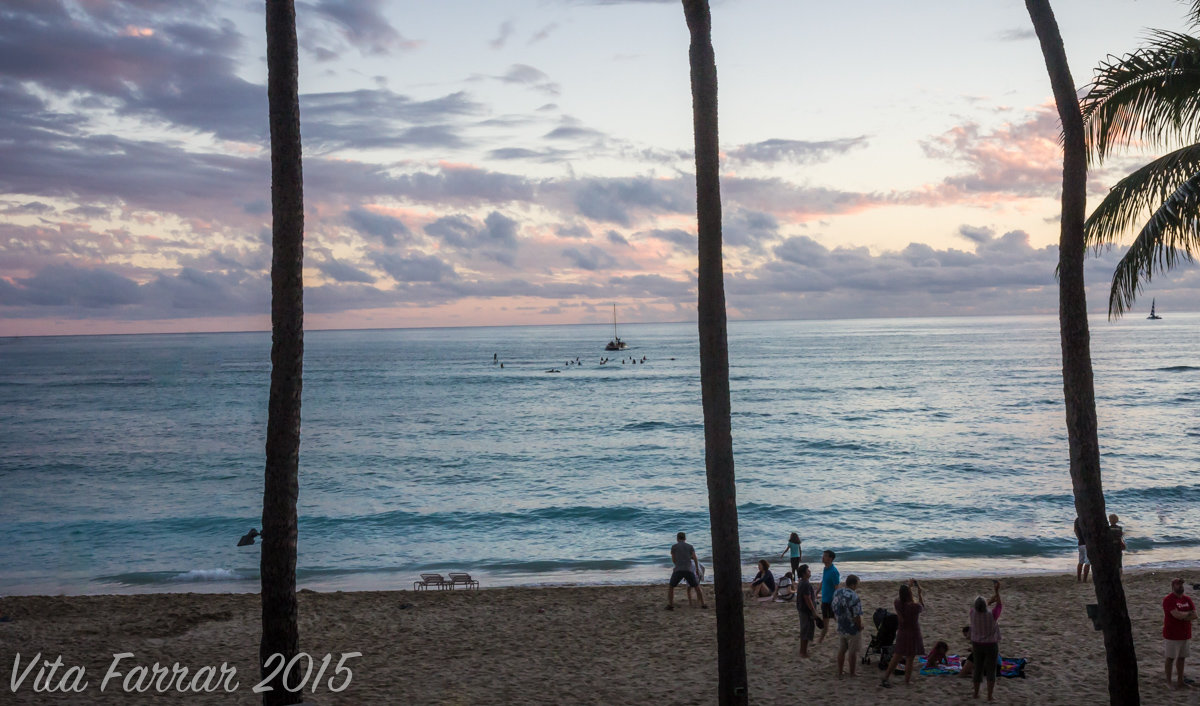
[
  {"x": 785, "y": 590},
  {"x": 937, "y": 655},
  {"x": 793, "y": 547}
]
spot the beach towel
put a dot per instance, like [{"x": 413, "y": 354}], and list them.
[
  {"x": 1009, "y": 667},
  {"x": 952, "y": 665},
  {"x": 1013, "y": 667}
]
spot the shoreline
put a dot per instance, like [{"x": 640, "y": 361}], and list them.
[
  {"x": 580, "y": 644},
  {"x": 214, "y": 581}
]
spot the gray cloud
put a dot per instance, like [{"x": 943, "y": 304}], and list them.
[
  {"x": 590, "y": 258},
  {"x": 749, "y": 228},
  {"x": 1017, "y": 35},
  {"x": 976, "y": 234},
  {"x": 543, "y": 33},
  {"x": 526, "y": 75},
  {"x": 415, "y": 267},
  {"x": 495, "y": 239},
  {"x": 31, "y": 208},
  {"x": 796, "y": 151},
  {"x": 575, "y": 230},
  {"x": 386, "y": 229},
  {"x": 342, "y": 272},
  {"x": 615, "y": 199},
  {"x": 502, "y": 35},
  {"x": 681, "y": 239},
  {"x": 362, "y": 25}
]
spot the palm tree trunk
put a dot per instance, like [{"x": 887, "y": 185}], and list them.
[
  {"x": 714, "y": 366},
  {"x": 280, "y": 633},
  {"x": 1078, "y": 389}
]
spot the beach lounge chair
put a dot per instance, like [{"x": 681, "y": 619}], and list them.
[
  {"x": 434, "y": 580},
  {"x": 457, "y": 578}
]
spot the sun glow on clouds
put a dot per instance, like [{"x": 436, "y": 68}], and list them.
[{"x": 433, "y": 197}]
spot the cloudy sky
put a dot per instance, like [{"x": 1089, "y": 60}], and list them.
[{"x": 529, "y": 161}]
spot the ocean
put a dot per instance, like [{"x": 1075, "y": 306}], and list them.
[{"x": 927, "y": 447}]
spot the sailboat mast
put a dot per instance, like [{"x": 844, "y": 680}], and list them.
[{"x": 614, "y": 321}]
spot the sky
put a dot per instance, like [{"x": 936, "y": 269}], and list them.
[{"x": 530, "y": 161}]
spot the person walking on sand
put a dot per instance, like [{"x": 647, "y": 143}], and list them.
[
  {"x": 847, "y": 607},
  {"x": 830, "y": 578},
  {"x": 908, "y": 636},
  {"x": 793, "y": 548},
  {"x": 1179, "y": 612},
  {"x": 985, "y": 639},
  {"x": 682, "y": 556},
  {"x": 807, "y": 608},
  {"x": 1084, "y": 565}
]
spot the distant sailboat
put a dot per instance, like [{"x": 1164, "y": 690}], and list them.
[
  {"x": 616, "y": 344},
  {"x": 1152, "y": 314}
]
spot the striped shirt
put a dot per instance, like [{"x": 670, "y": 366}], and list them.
[{"x": 984, "y": 629}]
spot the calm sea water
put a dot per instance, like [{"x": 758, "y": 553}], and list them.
[{"x": 930, "y": 446}]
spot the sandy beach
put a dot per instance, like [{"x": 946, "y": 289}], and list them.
[{"x": 602, "y": 645}]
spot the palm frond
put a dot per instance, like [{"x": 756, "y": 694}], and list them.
[
  {"x": 1139, "y": 193},
  {"x": 1152, "y": 94},
  {"x": 1171, "y": 235}
]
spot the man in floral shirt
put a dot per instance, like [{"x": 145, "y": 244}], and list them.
[{"x": 847, "y": 608}]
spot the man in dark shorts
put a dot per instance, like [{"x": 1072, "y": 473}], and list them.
[
  {"x": 682, "y": 555},
  {"x": 807, "y": 610},
  {"x": 830, "y": 578}
]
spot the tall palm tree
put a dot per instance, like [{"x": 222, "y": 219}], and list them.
[
  {"x": 1078, "y": 388},
  {"x": 280, "y": 633},
  {"x": 714, "y": 366},
  {"x": 1149, "y": 96}
]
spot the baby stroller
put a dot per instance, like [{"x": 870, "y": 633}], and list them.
[{"x": 884, "y": 640}]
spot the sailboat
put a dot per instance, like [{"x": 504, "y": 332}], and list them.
[
  {"x": 616, "y": 344},
  {"x": 1152, "y": 314}
]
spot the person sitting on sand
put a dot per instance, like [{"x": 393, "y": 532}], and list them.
[
  {"x": 847, "y": 608},
  {"x": 785, "y": 590},
  {"x": 806, "y": 605},
  {"x": 908, "y": 636},
  {"x": 968, "y": 662},
  {"x": 1179, "y": 612},
  {"x": 682, "y": 556},
  {"x": 763, "y": 585},
  {"x": 937, "y": 655},
  {"x": 985, "y": 639}
]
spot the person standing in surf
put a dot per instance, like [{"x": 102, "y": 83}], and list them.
[{"x": 793, "y": 548}]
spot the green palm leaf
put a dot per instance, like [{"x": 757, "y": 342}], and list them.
[
  {"x": 1151, "y": 95},
  {"x": 1138, "y": 194},
  {"x": 1170, "y": 236}
]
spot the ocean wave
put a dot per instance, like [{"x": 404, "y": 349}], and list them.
[
  {"x": 151, "y": 578},
  {"x": 1176, "y": 369},
  {"x": 657, "y": 426}
]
